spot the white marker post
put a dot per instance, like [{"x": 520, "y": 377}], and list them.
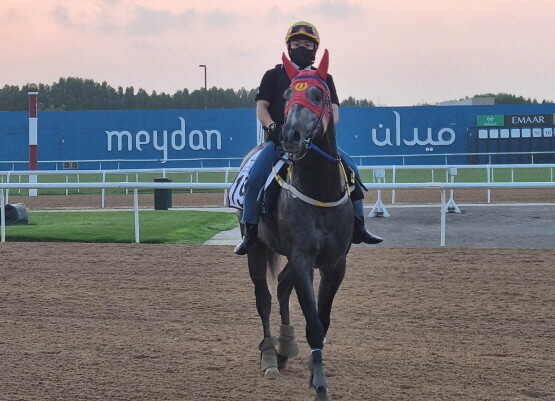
[{"x": 32, "y": 91}]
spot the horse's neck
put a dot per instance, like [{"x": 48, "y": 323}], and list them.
[{"x": 319, "y": 177}]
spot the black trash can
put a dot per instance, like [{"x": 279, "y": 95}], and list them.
[
  {"x": 162, "y": 197},
  {"x": 16, "y": 214}
]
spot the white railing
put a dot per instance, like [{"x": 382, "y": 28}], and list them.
[
  {"x": 135, "y": 186},
  {"x": 6, "y": 176}
]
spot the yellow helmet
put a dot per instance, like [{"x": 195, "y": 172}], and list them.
[{"x": 300, "y": 29}]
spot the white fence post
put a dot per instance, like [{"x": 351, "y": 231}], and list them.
[
  {"x": 136, "y": 213},
  {"x": 3, "y": 215}
]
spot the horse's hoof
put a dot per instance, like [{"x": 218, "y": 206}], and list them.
[
  {"x": 321, "y": 394},
  {"x": 271, "y": 373}
]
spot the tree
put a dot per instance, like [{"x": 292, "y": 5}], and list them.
[{"x": 73, "y": 93}]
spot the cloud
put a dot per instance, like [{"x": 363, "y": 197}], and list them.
[
  {"x": 147, "y": 21},
  {"x": 220, "y": 19},
  {"x": 332, "y": 9},
  {"x": 14, "y": 15},
  {"x": 61, "y": 16}
]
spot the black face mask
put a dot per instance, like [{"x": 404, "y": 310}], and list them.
[{"x": 302, "y": 56}]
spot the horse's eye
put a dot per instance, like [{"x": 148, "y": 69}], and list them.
[{"x": 287, "y": 94}]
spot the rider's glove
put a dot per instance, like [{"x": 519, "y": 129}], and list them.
[{"x": 274, "y": 131}]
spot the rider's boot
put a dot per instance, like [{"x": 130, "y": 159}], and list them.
[
  {"x": 361, "y": 235},
  {"x": 251, "y": 234}
]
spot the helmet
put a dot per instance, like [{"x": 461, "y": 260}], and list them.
[{"x": 300, "y": 30}]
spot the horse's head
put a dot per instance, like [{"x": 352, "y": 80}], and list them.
[{"x": 308, "y": 107}]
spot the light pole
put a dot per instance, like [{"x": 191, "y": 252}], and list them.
[{"x": 205, "y": 87}]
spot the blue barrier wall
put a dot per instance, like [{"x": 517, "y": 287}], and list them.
[{"x": 163, "y": 135}]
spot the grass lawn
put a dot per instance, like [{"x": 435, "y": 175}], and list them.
[{"x": 156, "y": 226}]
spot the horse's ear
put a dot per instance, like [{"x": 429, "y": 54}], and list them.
[
  {"x": 322, "y": 70},
  {"x": 290, "y": 69}
]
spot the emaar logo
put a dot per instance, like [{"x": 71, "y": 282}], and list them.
[
  {"x": 444, "y": 137},
  {"x": 196, "y": 140}
]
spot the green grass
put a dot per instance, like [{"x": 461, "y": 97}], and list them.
[
  {"x": 465, "y": 175},
  {"x": 156, "y": 226},
  {"x": 143, "y": 177},
  {"x": 402, "y": 176}
]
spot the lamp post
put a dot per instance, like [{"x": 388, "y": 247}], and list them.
[{"x": 205, "y": 86}]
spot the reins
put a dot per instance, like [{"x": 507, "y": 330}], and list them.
[{"x": 325, "y": 116}]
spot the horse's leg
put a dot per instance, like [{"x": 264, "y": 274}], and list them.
[
  {"x": 257, "y": 260},
  {"x": 329, "y": 284},
  {"x": 314, "y": 327},
  {"x": 287, "y": 345}
]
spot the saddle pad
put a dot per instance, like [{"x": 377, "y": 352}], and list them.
[{"x": 236, "y": 194}]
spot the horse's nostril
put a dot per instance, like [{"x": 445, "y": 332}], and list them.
[{"x": 296, "y": 138}]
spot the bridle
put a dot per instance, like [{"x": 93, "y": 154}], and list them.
[
  {"x": 300, "y": 85},
  {"x": 301, "y": 82}
]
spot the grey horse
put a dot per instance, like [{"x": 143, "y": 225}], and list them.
[{"x": 311, "y": 226}]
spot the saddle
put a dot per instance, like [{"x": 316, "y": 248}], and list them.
[{"x": 267, "y": 198}]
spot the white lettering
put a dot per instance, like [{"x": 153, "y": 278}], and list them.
[
  {"x": 444, "y": 142},
  {"x": 528, "y": 119},
  {"x": 197, "y": 140},
  {"x": 138, "y": 142},
  {"x": 200, "y": 142},
  {"x": 209, "y": 134},
  {"x": 445, "y": 136},
  {"x": 120, "y": 136},
  {"x": 164, "y": 146},
  {"x": 180, "y": 133}
]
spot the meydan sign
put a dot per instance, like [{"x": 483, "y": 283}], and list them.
[{"x": 178, "y": 140}]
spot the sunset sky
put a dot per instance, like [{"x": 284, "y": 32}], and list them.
[{"x": 393, "y": 52}]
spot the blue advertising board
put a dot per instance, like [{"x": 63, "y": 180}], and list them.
[{"x": 178, "y": 138}]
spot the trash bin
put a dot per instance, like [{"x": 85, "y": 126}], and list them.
[
  {"x": 162, "y": 197},
  {"x": 16, "y": 214}
]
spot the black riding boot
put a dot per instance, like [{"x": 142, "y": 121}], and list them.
[
  {"x": 361, "y": 235},
  {"x": 251, "y": 234}
]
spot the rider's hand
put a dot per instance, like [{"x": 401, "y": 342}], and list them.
[{"x": 274, "y": 131}]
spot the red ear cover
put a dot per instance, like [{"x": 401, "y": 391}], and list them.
[
  {"x": 290, "y": 69},
  {"x": 322, "y": 70}
]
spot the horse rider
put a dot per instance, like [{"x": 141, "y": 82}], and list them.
[{"x": 302, "y": 40}]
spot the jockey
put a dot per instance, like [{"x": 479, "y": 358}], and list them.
[{"x": 302, "y": 40}]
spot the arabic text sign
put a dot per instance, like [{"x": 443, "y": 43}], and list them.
[{"x": 383, "y": 137}]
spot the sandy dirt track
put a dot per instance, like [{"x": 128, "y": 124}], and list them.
[{"x": 178, "y": 322}]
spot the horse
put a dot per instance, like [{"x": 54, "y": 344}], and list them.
[{"x": 311, "y": 225}]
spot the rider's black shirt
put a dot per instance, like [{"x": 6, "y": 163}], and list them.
[{"x": 274, "y": 83}]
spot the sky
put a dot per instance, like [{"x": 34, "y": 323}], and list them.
[{"x": 392, "y": 52}]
